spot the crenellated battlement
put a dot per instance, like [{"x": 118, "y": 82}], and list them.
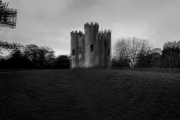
[
  {"x": 76, "y": 33},
  {"x": 91, "y": 24},
  {"x": 105, "y": 33}
]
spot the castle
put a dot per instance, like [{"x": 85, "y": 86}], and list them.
[{"x": 91, "y": 49}]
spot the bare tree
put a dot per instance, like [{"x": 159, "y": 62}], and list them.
[{"x": 128, "y": 49}]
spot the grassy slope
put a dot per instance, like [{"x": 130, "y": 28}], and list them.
[{"x": 89, "y": 94}]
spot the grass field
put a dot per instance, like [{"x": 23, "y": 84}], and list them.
[{"x": 101, "y": 94}]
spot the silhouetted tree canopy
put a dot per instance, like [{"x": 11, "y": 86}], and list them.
[
  {"x": 171, "y": 57},
  {"x": 40, "y": 56},
  {"x": 172, "y": 44},
  {"x": 146, "y": 59},
  {"x": 121, "y": 62},
  {"x": 8, "y": 16},
  {"x": 63, "y": 62},
  {"x": 16, "y": 61},
  {"x": 10, "y": 46},
  {"x": 32, "y": 56}
]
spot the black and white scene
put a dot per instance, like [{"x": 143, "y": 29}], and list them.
[{"x": 89, "y": 59}]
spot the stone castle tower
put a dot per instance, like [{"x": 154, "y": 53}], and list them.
[{"x": 91, "y": 49}]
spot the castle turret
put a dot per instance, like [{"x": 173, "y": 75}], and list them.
[
  {"x": 101, "y": 48},
  {"x": 107, "y": 48},
  {"x": 74, "y": 48},
  {"x": 91, "y": 47},
  {"x": 81, "y": 50},
  {"x": 104, "y": 48}
]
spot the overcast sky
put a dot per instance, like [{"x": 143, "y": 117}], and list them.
[{"x": 49, "y": 22}]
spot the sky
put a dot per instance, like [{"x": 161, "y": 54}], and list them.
[{"x": 49, "y": 22}]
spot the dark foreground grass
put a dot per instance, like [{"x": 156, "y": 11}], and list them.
[{"x": 101, "y": 94}]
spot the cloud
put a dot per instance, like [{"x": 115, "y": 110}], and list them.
[{"x": 49, "y": 23}]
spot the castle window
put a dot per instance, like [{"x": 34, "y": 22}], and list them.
[
  {"x": 73, "y": 52},
  {"x": 91, "y": 47}
]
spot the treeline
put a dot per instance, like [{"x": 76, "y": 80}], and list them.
[
  {"x": 131, "y": 52},
  {"x": 32, "y": 57},
  {"x": 170, "y": 58},
  {"x": 143, "y": 56}
]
